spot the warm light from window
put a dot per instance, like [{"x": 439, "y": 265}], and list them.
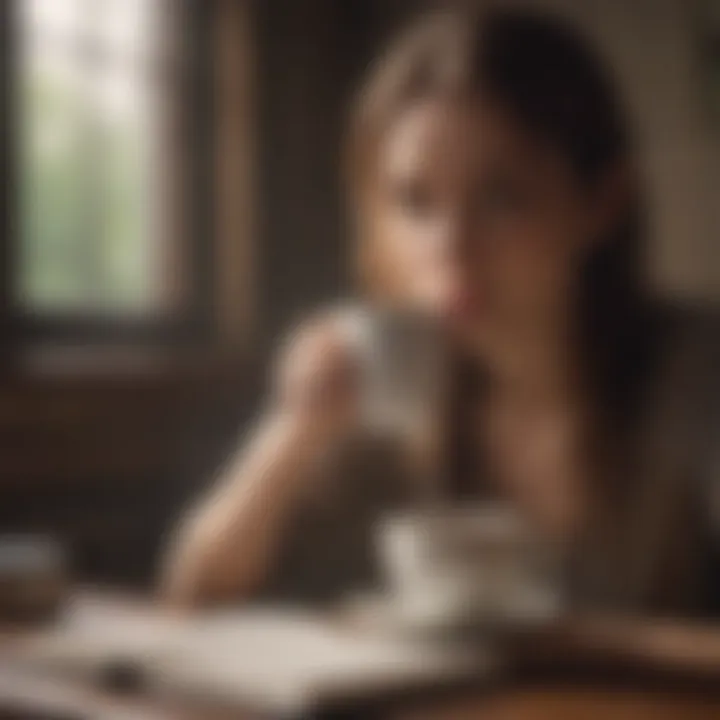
[{"x": 91, "y": 101}]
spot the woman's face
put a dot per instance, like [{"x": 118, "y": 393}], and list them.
[{"x": 477, "y": 222}]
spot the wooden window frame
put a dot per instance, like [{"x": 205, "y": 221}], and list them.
[{"x": 196, "y": 325}]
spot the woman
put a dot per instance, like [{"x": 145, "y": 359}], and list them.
[{"x": 493, "y": 187}]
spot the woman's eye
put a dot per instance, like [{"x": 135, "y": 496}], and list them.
[
  {"x": 500, "y": 197},
  {"x": 414, "y": 198}
]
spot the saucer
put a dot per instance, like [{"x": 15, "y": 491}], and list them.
[{"x": 388, "y": 612}]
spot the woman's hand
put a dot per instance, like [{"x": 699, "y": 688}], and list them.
[
  {"x": 227, "y": 545},
  {"x": 316, "y": 381}
]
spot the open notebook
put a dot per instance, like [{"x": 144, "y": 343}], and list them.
[{"x": 278, "y": 660}]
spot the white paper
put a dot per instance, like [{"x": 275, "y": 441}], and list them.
[{"x": 280, "y": 658}]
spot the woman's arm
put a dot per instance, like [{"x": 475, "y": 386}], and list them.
[{"x": 227, "y": 545}]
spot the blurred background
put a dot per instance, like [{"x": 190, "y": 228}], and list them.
[{"x": 172, "y": 201}]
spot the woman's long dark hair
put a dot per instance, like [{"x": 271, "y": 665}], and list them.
[{"x": 540, "y": 70}]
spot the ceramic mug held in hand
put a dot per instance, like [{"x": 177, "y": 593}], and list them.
[{"x": 402, "y": 360}]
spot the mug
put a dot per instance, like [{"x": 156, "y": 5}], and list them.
[{"x": 402, "y": 364}]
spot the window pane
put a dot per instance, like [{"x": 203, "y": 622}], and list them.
[{"x": 89, "y": 107}]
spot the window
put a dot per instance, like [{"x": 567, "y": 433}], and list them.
[{"x": 105, "y": 141}]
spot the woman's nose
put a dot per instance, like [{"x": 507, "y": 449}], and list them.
[
  {"x": 458, "y": 238},
  {"x": 453, "y": 253}
]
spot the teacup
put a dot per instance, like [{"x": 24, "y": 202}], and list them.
[{"x": 466, "y": 565}]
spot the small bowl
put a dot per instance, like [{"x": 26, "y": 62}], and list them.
[{"x": 466, "y": 566}]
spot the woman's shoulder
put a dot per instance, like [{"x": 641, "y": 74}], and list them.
[
  {"x": 693, "y": 341},
  {"x": 693, "y": 348},
  {"x": 688, "y": 323},
  {"x": 686, "y": 341},
  {"x": 683, "y": 400}
]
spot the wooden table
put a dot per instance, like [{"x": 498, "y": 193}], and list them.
[
  {"x": 568, "y": 703},
  {"x": 588, "y": 670},
  {"x": 36, "y": 699}
]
